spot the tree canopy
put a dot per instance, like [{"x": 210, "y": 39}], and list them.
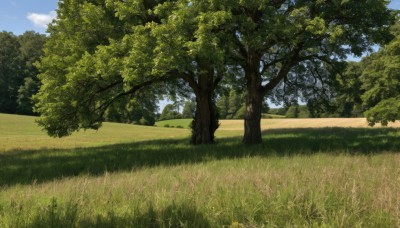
[
  {"x": 283, "y": 43},
  {"x": 103, "y": 52},
  {"x": 137, "y": 44},
  {"x": 381, "y": 83}
]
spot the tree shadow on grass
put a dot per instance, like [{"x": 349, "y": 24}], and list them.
[
  {"x": 175, "y": 215},
  {"x": 333, "y": 140},
  {"x": 25, "y": 167}
]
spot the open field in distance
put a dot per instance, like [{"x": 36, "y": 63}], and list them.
[{"x": 21, "y": 132}]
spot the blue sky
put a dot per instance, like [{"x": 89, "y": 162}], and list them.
[{"x": 18, "y": 16}]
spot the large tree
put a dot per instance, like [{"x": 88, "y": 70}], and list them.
[
  {"x": 100, "y": 52},
  {"x": 381, "y": 83},
  {"x": 188, "y": 45},
  {"x": 274, "y": 38},
  {"x": 374, "y": 81},
  {"x": 68, "y": 99}
]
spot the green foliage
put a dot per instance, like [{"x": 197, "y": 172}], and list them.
[
  {"x": 223, "y": 106},
  {"x": 278, "y": 111},
  {"x": 381, "y": 83},
  {"x": 303, "y": 112},
  {"x": 343, "y": 99},
  {"x": 189, "y": 109},
  {"x": 185, "y": 123},
  {"x": 31, "y": 49},
  {"x": 292, "y": 112},
  {"x": 18, "y": 75},
  {"x": 291, "y": 49},
  {"x": 80, "y": 73},
  {"x": 236, "y": 102},
  {"x": 11, "y": 76},
  {"x": 272, "y": 116},
  {"x": 297, "y": 111},
  {"x": 102, "y": 51},
  {"x": 170, "y": 112},
  {"x": 138, "y": 110},
  {"x": 232, "y": 105},
  {"x": 25, "y": 92},
  {"x": 99, "y": 53},
  {"x": 388, "y": 110}
]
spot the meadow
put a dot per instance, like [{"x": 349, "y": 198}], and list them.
[{"x": 306, "y": 173}]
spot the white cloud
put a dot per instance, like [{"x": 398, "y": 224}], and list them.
[{"x": 41, "y": 20}]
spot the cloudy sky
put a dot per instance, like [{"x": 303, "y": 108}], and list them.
[{"x": 18, "y": 16}]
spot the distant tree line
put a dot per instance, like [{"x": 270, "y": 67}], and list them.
[{"x": 18, "y": 73}]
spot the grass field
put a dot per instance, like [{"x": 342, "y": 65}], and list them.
[
  {"x": 272, "y": 116},
  {"x": 185, "y": 123},
  {"x": 307, "y": 173}
]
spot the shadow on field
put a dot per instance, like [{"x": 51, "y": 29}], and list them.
[
  {"x": 175, "y": 215},
  {"x": 26, "y": 167}
]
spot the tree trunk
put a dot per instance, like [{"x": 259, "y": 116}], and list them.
[
  {"x": 205, "y": 121},
  {"x": 252, "y": 117}
]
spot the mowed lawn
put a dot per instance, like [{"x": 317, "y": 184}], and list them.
[{"x": 306, "y": 173}]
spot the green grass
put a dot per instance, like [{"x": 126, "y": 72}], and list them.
[
  {"x": 334, "y": 177},
  {"x": 271, "y": 116},
  {"x": 185, "y": 123},
  {"x": 21, "y": 133}
]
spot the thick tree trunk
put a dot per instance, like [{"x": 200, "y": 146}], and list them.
[
  {"x": 205, "y": 122},
  {"x": 252, "y": 117}
]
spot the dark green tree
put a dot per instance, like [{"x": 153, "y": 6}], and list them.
[
  {"x": 231, "y": 105},
  {"x": 293, "y": 111},
  {"x": 74, "y": 94},
  {"x": 169, "y": 112},
  {"x": 278, "y": 43},
  {"x": 24, "y": 98},
  {"x": 236, "y": 102},
  {"x": 189, "y": 109},
  {"x": 140, "y": 109},
  {"x": 11, "y": 73},
  {"x": 381, "y": 83},
  {"x": 31, "y": 49},
  {"x": 101, "y": 51},
  {"x": 349, "y": 90},
  {"x": 223, "y": 106}
]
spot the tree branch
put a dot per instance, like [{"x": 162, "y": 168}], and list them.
[{"x": 283, "y": 71}]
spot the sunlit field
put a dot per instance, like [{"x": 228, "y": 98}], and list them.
[
  {"x": 22, "y": 133},
  {"x": 307, "y": 172}
]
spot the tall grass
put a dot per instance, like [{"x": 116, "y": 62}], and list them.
[{"x": 331, "y": 177}]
